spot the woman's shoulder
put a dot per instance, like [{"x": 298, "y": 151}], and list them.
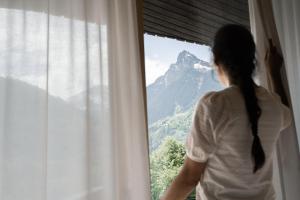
[
  {"x": 218, "y": 96},
  {"x": 215, "y": 99},
  {"x": 285, "y": 111},
  {"x": 216, "y": 106},
  {"x": 264, "y": 93},
  {"x": 232, "y": 93}
]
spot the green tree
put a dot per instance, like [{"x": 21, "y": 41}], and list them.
[{"x": 165, "y": 163}]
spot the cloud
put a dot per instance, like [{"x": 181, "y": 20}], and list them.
[{"x": 154, "y": 69}]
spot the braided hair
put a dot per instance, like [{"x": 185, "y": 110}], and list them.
[{"x": 234, "y": 48}]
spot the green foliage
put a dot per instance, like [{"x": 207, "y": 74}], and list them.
[
  {"x": 167, "y": 150},
  {"x": 165, "y": 163},
  {"x": 176, "y": 126}
]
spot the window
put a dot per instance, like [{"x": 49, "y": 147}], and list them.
[{"x": 178, "y": 74}]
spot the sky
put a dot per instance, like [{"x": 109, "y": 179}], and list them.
[
  {"x": 161, "y": 52},
  {"x": 26, "y": 44}
]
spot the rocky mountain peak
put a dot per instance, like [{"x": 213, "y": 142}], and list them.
[
  {"x": 181, "y": 86},
  {"x": 186, "y": 59}
]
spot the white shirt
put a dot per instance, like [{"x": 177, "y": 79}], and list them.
[{"x": 222, "y": 137}]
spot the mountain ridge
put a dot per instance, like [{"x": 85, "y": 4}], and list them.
[{"x": 180, "y": 87}]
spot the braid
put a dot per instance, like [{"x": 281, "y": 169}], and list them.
[
  {"x": 247, "y": 88},
  {"x": 234, "y": 48}
]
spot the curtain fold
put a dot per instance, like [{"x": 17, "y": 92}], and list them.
[
  {"x": 72, "y": 110},
  {"x": 287, "y": 15},
  {"x": 287, "y": 162}
]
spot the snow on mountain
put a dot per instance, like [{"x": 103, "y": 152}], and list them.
[
  {"x": 181, "y": 86},
  {"x": 201, "y": 67}
]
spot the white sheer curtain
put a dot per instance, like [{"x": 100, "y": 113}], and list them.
[
  {"x": 287, "y": 18},
  {"x": 72, "y": 117},
  {"x": 287, "y": 160}
]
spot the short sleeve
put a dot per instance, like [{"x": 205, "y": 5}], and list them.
[
  {"x": 201, "y": 140},
  {"x": 286, "y": 117},
  {"x": 286, "y": 114}
]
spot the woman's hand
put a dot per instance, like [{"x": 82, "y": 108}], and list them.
[
  {"x": 274, "y": 63},
  {"x": 273, "y": 60}
]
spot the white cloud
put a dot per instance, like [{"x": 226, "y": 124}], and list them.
[{"x": 154, "y": 69}]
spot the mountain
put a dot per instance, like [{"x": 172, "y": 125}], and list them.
[
  {"x": 180, "y": 87},
  {"x": 32, "y": 117},
  {"x": 98, "y": 95}
]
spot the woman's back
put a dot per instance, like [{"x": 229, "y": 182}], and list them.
[
  {"x": 223, "y": 136},
  {"x": 234, "y": 131}
]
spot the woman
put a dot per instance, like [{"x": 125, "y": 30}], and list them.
[{"x": 234, "y": 131}]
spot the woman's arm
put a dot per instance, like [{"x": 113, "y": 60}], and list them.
[
  {"x": 186, "y": 181},
  {"x": 274, "y": 63}
]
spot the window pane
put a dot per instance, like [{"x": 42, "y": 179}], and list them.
[{"x": 178, "y": 74}]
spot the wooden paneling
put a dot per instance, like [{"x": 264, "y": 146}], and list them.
[{"x": 193, "y": 20}]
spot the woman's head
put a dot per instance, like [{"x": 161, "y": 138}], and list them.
[
  {"x": 234, "y": 57},
  {"x": 234, "y": 53}
]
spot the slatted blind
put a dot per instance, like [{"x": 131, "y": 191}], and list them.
[{"x": 193, "y": 20}]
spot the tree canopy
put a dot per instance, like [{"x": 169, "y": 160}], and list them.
[{"x": 165, "y": 163}]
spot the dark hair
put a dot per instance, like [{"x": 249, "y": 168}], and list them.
[{"x": 234, "y": 48}]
